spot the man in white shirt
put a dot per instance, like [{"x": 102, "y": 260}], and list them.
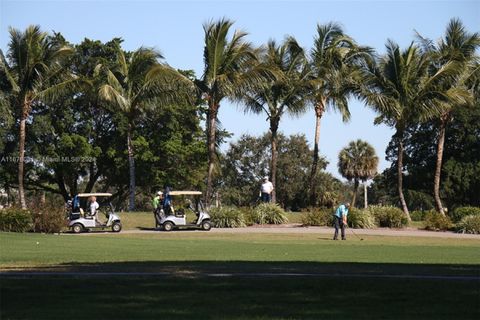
[
  {"x": 93, "y": 209},
  {"x": 266, "y": 190}
]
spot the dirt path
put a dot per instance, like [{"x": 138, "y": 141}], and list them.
[{"x": 298, "y": 229}]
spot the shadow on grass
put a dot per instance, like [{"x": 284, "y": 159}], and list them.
[
  {"x": 244, "y": 268},
  {"x": 189, "y": 294}
]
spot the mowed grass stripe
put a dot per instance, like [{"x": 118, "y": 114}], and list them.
[{"x": 23, "y": 250}]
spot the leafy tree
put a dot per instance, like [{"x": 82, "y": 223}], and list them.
[
  {"x": 358, "y": 162},
  {"x": 131, "y": 86},
  {"x": 335, "y": 58},
  {"x": 230, "y": 68},
  {"x": 34, "y": 63},
  {"x": 247, "y": 160},
  {"x": 458, "y": 46},
  {"x": 285, "y": 94},
  {"x": 460, "y": 171},
  {"x": 401, "y": 89}
]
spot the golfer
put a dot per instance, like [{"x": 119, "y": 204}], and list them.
[
  {"x": 340, "y": 217},
  {"x": 157, "y": 207},
  {"x": 266, "y": 190}
]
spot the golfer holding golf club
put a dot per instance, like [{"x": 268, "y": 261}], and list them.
[{"x": 340, "y": 217}]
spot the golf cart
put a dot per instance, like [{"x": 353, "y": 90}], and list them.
[
  {"x": 80, "y": 219},
  {"x": 169, "y": 218}
]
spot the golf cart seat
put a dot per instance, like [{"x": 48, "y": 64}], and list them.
[{"x": 179, "y": 213}]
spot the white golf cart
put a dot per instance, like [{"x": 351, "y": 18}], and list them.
[
  {"x": 171, "y": 218},
  {"x": 80, "y": 219}
]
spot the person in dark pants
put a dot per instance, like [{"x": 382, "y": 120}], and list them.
[
  {"x": 340, "y": 218},
  {"x": 266, "y": 190}
]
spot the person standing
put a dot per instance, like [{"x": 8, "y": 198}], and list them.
[
  {"x": 266, "y": 190},
  {"x": 340, "y": 220},
  {"x": 157, "y": 207}
]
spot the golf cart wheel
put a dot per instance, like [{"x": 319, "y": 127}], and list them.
[
  {"x": 206, "y": 225},
  {"x": 168, "y": 226},
  {"x": 116, "y": 226},
  {"x": 77, "y": 228}
]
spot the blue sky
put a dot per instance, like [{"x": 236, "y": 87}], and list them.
[{"x": 175, "y": 28}]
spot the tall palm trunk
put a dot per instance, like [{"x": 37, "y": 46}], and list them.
[
  {"x": 365, "y": 195},
  {"x": 319, "y": 110},
  {"x": 211, "y": 128},
  {"x": 438, "y": 168},
  {"x": 131, "y": 166},
  {"x": 355, "y": 188},
  {"x": 400, "y": 174},
  {"x": 21, "y": 164},
  {"x": 274, "y": 129},
  {"x": 21, "y": 153}
]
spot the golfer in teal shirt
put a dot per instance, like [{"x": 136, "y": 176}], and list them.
[{"x": 340, "y": 218}]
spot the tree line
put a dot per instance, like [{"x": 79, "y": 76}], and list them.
[{"x": 132, "y": 113}]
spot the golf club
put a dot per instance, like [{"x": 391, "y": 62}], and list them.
[{"x": 356, "y": 235}]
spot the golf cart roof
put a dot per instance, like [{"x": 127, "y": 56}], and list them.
[
  {"x": 185, "y": 193},
  {"x": 96, "y": 194}
]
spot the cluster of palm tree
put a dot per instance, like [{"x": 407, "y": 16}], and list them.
[{"x": 424, "y": 81}]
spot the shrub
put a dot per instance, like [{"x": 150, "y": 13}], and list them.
[
  {"x": 418, "y": 215},
  {"x": 268, "y": 213},
  {"x": 317, "y": 217},
  {"x": 437, "y": 221},
  {"x": 360, "y": 219},
  {"x": 49, "y": 219},
  {"x": 469, "y": 224},
  {"x": 388, "y": 216},
  {"x": 15, "y": 220},
  {"x": 458, "y": 214},
  {"x": 227, "y": 217}
]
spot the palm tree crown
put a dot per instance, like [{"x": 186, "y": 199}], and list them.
[
  {"x": 132, "y": 85},
  {"x": 358, "y": 162},
  {"x": 230, "y": 68},
  {"x": 335, "y": 60},
  {"x": 285, "y": 93},
  {"x": 35, "y": 72}
]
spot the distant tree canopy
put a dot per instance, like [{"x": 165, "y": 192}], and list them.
[
  {"x": 77, "y": 143},
  {"x": 248, "y": 160},
  {"x": 94, "y": 117}
]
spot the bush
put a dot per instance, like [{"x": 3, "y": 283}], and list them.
[
  {"x": 317, "y": 217},
  {"x": 360, "y": 219},
  {"x": 267, "y": 213},
  {"x": 388, "y": 216},
  {"x": 418, "y": 215},
  {"x": 49, "y": 219},
  {"x": 227, "y": 217},
  {"x": 437, "y": 221},
  {"x": 459, "y": 213},
  {"x": 469, "y": 224},
  {"x": 15, "y": 220}
]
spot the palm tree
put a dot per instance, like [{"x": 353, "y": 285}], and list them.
[
  {"x": 458, "y": 46},
  {"x": 401, "y": 89},
  {"x": 230, "y": 68},
  {"x": 132, "y": 85},
  {"x": 35, "y": 73},
  {"x": 286, "y": 93},
  {"x": 358, "y": 162},
  {"x": 334, "y": 59}
]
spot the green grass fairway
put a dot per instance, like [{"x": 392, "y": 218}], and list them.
[{"x": 201, "y": 275}]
